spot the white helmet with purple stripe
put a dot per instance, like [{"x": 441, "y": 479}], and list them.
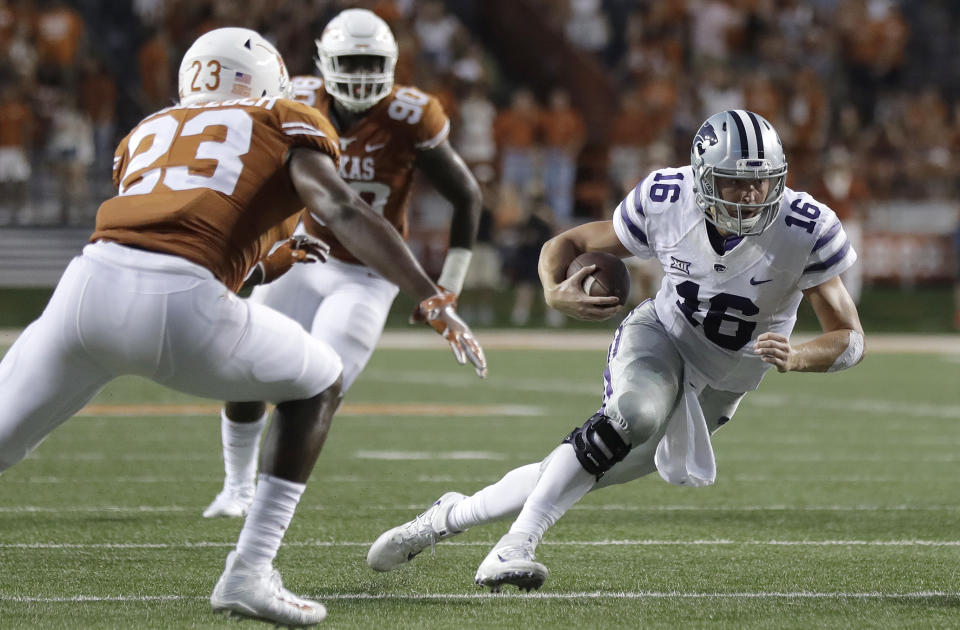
[{"x": 738, "y": 144}]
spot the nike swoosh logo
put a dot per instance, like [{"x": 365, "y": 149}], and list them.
[
  {"x": 755, "y": 282},
  {"x": 370, "y": 148}
]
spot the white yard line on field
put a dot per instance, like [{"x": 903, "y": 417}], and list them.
[
  {"x": 415, "y": 409},
  {"x": 811, "y": 458},
  {"x": 80, "y": 479},
  {"x": 428, "y": 455},
  {"x": 506, "y": 339},
  {"x": 856, "y": 405},
  {"x": 612, "y": 507},
  {"x": 653, "y": 595},
  {"x": 730, "y": 453},
  {"x": 838, "y": 595},
  {"x": 720, "y": 542},
  {"x": 609, "y": 507},
  {"x": 592, "y": 387},
  {"x": 808, "y": 479},
  {"x": 450, "y": 479},
  {"x": 361, "y": 454},
  {"x": 80, "y": 599}
]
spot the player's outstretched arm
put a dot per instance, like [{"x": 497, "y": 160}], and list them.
[
  {"x": 838, "y": 348},
  {"x": 566, "y": 294},
  {"x": 449, "y": 174},
  {"x": 452, "y": 178},
  {"x": 369, "y": 237}
]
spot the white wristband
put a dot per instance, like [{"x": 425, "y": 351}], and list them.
[
  {"x": 849, "y": 357},
  {"x": 455, "y": 269}
]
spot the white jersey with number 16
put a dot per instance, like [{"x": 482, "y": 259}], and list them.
[{"x": 714, "y": 305}]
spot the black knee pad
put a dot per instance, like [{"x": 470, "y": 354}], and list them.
[{"x": 598, "y": 445}]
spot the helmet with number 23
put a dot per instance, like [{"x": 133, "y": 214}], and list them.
[
  {"x": 232, "y": 63},
  {"x": 356, "y": 55},
  {"x": 738, "y": 144}
]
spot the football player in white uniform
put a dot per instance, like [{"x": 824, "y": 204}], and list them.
[
  {"x": 387, "y": 132},
  {"x": 739, "y": 250}
]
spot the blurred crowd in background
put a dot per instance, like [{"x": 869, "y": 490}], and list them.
[{"x": 864, "y": 93}]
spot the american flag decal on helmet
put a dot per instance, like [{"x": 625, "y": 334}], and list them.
[{"x": 241, "y": 77}]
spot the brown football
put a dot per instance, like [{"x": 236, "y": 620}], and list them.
[{"x": 610, "y": 277}]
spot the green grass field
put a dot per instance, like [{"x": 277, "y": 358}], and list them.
[{"x": 837, "y": 505}]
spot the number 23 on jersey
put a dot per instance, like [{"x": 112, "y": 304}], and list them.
[{"x": 169, "y": 161}]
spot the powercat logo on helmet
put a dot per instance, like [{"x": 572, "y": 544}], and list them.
[{"x": 706, "y": 137}]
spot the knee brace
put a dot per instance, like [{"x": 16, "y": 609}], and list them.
[{"x": 597, "y": 444}]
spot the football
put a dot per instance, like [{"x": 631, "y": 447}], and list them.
[{"x": 610, "y": 277}]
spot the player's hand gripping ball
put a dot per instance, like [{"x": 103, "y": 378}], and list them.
[{"x": 609, "y": 278}]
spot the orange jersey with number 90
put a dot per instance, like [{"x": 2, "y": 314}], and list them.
[
  {"x": 378, "y": 152},
  {"x": 207, "y": 181}
]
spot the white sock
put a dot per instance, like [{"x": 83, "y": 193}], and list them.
[
  {"x": 499, "y": 500},
  {"x": 241, "y": 445},
  {"x": 561, "y": 485},
  {"x": 273, "y": 506}
]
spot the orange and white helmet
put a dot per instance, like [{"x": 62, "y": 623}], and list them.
[
  {"x": 230, "y": 63},
  {"x": 357, "y": 33}
]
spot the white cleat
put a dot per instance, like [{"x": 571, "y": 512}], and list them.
[
  {"x": 399, "y": 545},
  {"x": 231, "y": 502},
  {"x": 259, "y": 594},
  {"x": 512, "y": 561}
]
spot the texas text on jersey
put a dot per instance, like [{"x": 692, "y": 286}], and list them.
[
  {"x": 379, "y": 150},
  {"x": 729, "y": 298},
  {"x": 206, "y": 181}
]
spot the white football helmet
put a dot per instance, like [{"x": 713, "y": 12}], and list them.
[
  {"x": 738, "y": 144},
  {"x": 230, "y": 63},
  {"x": 356, "y": 32}
]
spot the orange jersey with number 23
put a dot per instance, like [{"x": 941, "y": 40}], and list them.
[{"x": 206, "y": 182}]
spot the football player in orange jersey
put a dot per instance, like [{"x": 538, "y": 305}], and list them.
[
  {"x": 386, "y": 133},
  {"x": 152, "y": 294}
]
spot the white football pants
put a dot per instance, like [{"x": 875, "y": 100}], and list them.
[
  {"x": 642, "y": 389},
  {"x": 644, "y": 379},
  {"x": 342, "y": 304},
  {"x": 119, "y": 310}
]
